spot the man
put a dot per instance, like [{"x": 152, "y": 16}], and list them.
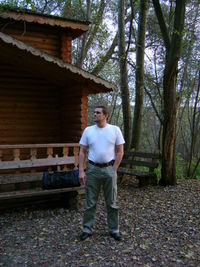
[{"x": 104, "y": 144}]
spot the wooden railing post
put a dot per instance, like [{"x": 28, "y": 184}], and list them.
[
  {"x": 50, "y": 152},
  {"x": 16, "y": 156},
  {"x": 33, "y": 154},
  {"x": 76, "y": 153},
  {"x": 65, "y": 154},
  {"x": 50, "y": 155}
]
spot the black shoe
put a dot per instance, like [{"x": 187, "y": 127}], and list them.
[
  {"x": 84, "y": 236},
  {"x": 116, "y": 236}
]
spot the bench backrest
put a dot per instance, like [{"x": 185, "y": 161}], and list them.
[{"x": 132, "y": 159}]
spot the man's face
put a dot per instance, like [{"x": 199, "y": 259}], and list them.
[{"x": 98, "y": 115}]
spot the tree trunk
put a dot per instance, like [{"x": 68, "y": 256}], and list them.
[
  {"x": 124, "y": 75},
  {"x": 173, "y": 49},
  {"x": 169, "y": 135},
  {"x": 138, "y": 111},
  {"x": 84, "y": 39},
  {"x": 67, "y": 8},
  {"x": 194, "y": 130}
]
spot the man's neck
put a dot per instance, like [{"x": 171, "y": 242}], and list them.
[{"x": 102, "y": 124}]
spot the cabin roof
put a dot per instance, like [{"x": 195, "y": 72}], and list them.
[
  {"x": 77, "y": 27},
  {"x": 51, "y": 68}
]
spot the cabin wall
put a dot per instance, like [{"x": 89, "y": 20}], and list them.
[
  {"x": 29, "y": 108},
  {"x": 35, "y": 111},
  {"x": 65, "y": 47},
  {"x": 74, "y": 114},
  {"x": 51, "y": 41}
]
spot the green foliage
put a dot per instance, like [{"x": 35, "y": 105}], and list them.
[
  {"x": 180, "y": 167},
  {"x": 198, "y": 172},
  {"x": 181, "y": 171}
]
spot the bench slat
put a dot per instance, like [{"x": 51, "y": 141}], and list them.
[
  {"x": 140, "y": 163},
  {"x": 134, "y": 173},
  {"x": 133, "y": 159},
  {"x": 20, "y": 177},
  {"x": 142, "y": 154},
  {"x": 32, "y": 193},
  {"x": 32, "y": 163}
]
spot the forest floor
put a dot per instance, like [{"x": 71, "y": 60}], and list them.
[{"x": 160, "y": 226}]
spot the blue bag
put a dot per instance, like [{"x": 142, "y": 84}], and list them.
[{"x": 59, "y": 179}]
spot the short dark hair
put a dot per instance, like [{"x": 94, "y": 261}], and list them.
[{"x": 105, "y": 109}]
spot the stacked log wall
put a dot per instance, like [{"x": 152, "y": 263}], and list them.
[
  {"x": 29, "y": 108},
  {"x": 74, "y": 110},
  {"x": 48, "y": 40}
]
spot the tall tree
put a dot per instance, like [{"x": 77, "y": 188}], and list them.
[
  {"x": 139, "y": 85},
  {"x": 173, "y": 50},
  {"x": 124, "y": 74}
]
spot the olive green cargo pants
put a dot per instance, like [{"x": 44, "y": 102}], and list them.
[{"x": 97, "y": 177}]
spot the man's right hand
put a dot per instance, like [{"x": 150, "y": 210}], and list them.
[{"x": 82, "y": 177}]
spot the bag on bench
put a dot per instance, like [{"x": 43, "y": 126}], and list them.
[{"x": 60, "y": 179}]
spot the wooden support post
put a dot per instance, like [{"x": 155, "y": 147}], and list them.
[
  {"x": 16, "y": 156},
  {"x": 65, "y": 154},
  {"x": 49, "y": 155},
  {"x": 76, "y": 153},
  {"x": 33, "y": 154},
  {"x": 66, "y": 48},
  {"x": 50, "y": 152}
]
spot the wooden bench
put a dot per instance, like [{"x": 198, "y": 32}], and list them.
[
  {"x": 141, "y": 165},
  {"x": 21, "y": 175}
]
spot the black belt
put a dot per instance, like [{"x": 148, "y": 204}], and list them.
[{"x": 102, "y": 165}]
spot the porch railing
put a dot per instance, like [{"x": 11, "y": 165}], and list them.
[{"x": 23, "y": 156}]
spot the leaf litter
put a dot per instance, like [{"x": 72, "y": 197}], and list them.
[{"x": 160, "y": 226}]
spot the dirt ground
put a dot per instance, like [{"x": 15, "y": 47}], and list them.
[{"x": 160, "y": 226}]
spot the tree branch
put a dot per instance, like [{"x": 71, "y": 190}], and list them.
[{"x": 162, "y": 23}]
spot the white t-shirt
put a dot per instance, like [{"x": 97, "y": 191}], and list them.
[{"x": 101, "y": 142}]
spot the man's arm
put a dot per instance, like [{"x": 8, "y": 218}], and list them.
[
  {"x": 82, "y": 158},
  {"x": 119, "y": 155}
]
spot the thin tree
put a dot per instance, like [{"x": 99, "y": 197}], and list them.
[
  {"x": 124, "y": 74},
  {"x": 139, "y": 86}
]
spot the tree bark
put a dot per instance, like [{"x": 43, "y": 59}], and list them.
[
  {"x": 173, "y": 49},
  {"x": 83, "y": 51},
  {"x": 106, "y": 57},
  {"x": 138, "y": 111},
  {"x": 193, "y": 130},
  {"x": 124, "y": 75}
]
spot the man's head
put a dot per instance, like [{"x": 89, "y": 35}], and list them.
[{"x": 101, "y": 114}]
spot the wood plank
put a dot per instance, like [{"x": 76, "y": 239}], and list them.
[
  {"x": 20, "y": 177},
  {"x": 142, "y": 154},
  {"x": 140, "y": 163},
  {"x": 32, "y": 193},
  {"x": 39, "y": 145},
  {"x": 34, "y": 139},
  {"x": 37, "y": 38},
  {"x": 47, "y": 33},
  {"x": 33, "y": 163},
  {"x": 42, "y": 89},
  {"x": 134, "y": 172}
]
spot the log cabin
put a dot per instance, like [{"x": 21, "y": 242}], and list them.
[{"x": 43, "y": 96}]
